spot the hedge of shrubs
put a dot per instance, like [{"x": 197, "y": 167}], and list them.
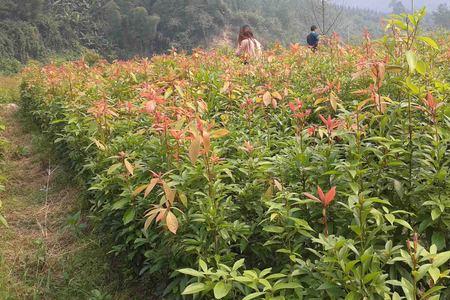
[{"x": 300, "y": 176}]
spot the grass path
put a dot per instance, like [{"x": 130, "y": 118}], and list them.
[{"x": 46, "y": 252}]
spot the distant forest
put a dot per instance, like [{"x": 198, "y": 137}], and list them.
[{"x": 37, "y": 29}]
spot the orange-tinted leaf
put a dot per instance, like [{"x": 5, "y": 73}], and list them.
[
  {"x": 274, "y": 103},
  {"x": 99, "y": 144},
  {"x": 323, "y": 120},
  {"x": 149, "y": 220},
  {"x": 363, "y": 103},
  {"x": 312, "y": 197},
  {"x": 156, "y": 210},
  {"x": 333, "y": 101},
  {"x": 225, "y": 87},
  {"x": 329, "y": 197},
  {"x": 172, "y": 222},
  {"x": 162, "y": 213},
  {"x": 360, "y": 92},
  {"x": 278, "y": 185},
  {"x": 129, "y": 167},
  {"x": 206, "y": 141},
  {"x": 139, "y": 190},
  {"x": 170, "y": 194},
  {"x": 194, "y": 150},
  {"x": 381, "y": 71},
  {"x": 358, "y": 74},
  {"x": 180, "y": 91},
  {"x": 321, "y": 194},
  {"x": 267, "y": 98},
  {"x": 320, "y": 100},
  {"x": 277, "y": 95},
  {"x": 219, "y": 133},
  {"x": 150, "y": 186}
]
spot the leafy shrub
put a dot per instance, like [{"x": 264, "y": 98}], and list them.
[
  {"x": 9, "y": 66},
  {"x": 91, "y": 57},
  {"x": 300, "y": 176}
]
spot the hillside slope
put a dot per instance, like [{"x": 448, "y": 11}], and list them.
[{"x": 36, "y": 29}]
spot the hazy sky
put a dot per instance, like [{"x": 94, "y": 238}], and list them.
[{"x": 383, "y": 5}]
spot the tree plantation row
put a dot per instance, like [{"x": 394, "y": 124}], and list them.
[{"x": 298, "y": 176}]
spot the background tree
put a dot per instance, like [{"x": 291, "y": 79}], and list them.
[
  {"x": 326, "y": 16},
  {"x": 397, "y": 7},
  {"x": 123, "y": 28},
  {"x": 441, "y": 17}
]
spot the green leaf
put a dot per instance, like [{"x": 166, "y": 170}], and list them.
[
  {"x": 113, "y": 168},
  {"x": 438, "y": 239},
  {"x": 349, "y": 266},
  {"x": 243, "y": 279},
  {"x": 221, "y": 289},
  {"x": 403, "y": 223},
  {"x": 191, "y": 272},
  {"x": 408, "y": 288},
  {"x": 425, "y": 224},
  {"x": 435, "y": 213},
  {"x": 396, "y": 296},
  {"x": 411, "y": 58},
  {"x": 3, "y": 221},
  {"x": 183, "y": 199},
  {"x": 194, "y": 288},
  {"x": 435, "y": 273},
  {"x": 423, "y": 269},
  {"x": 441, "y": 258},
  {"x": 275, "y": 276},
  {"x": 429, "y": 41},
  {"x": 286, "y": 285},
  {"x": 398, "y": 188},
  {"x": 390, "y": 218},
  {"x": 352, "y": 296},
  {"x": 422, "y": 67},
  {"x": 394, "y": 282},
  {"x": 203, "y": 265},
  {"x": 414, "y": 89},
  {"x": 120, "y": 204},
  {"x": 128, "y": 216},
  {"x": 427, "y": 294},
  {"x": 273, "y": 229},
  {"x": 237, "y": 265},
  {"x": 369, "y": 277},
  {"x": 253, "y": 295}
]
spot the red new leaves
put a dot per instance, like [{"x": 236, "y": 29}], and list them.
[
  {"x": 297, "y": 111},
  {"x": 377, "y": 71},
  {"x": 431, "y": 106},
  {"x": 102, "y": 109},
  {"x": 153, "y": 98},
  {"x": 324, "y": 199},
  {"x": 330, "y": 123}
]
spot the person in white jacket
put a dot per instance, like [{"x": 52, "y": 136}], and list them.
[{"x": 248, "y": 46}]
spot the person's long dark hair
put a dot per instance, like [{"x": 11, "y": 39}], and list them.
[{"x": 245, "y": 33}]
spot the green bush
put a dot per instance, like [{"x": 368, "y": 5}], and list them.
[{"x": 9, "y": 66}]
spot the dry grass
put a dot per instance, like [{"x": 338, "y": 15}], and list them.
[
  {"x": 9, "y": 88},
  {"x": 33, "y": 243}
]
